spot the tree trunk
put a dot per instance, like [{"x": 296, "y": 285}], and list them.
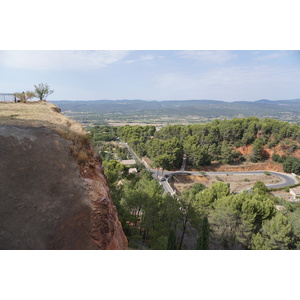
[{"x": 183, "y": 233}]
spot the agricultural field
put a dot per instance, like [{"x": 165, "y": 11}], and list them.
[{"x": 162, "y": 113}]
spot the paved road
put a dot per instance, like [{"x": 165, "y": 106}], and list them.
[{"x": 287, "y": 179}]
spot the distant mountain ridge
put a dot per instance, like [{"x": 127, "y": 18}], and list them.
[{"x": 288, "y": 110}]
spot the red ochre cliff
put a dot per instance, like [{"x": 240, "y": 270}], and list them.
[
  {"x": 106, "y": 231},
  {"x": 53, "y": 194}
]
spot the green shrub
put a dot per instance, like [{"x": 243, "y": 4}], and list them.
[{"x": 275, "y": 157}]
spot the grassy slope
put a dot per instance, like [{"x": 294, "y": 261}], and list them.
[
  {"x": 37, "y": 114},
  {"x": 43, "y": 114}
]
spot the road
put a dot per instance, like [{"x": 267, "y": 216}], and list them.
[{"x": 287, "y": 179}]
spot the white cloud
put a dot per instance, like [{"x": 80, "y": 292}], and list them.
[
  {"x": 270, "y": 56},
  {"x": 142, "y": 58},
  {"x": 212, "y": 56},
  {"x": 60, "y": 60},
  {"x": 235, "y": 83}
]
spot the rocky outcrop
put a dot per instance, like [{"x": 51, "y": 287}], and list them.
[
  {"x": 106, "y": 231},
  {"x": 47, "y": 201}
]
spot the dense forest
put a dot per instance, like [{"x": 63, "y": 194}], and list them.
[
  {"x": 201, "y": 217},
  {"x": 214, "y": 141}
]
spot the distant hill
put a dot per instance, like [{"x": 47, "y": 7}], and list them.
[{"x": 190, "y": 111}]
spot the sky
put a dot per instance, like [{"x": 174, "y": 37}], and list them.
[{"x": 237, "y": 75}]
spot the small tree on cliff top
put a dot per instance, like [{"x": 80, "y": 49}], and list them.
[{"x": 42, "y": 90}]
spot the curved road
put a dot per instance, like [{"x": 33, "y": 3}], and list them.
[{"x": 287, "y": 179}]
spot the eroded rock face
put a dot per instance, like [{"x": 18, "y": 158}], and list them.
[
  {"x": 45, "y": 203},
  {"x": 106, "y": 230}
]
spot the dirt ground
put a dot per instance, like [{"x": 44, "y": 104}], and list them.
[
  {"x": 37, "y": 114},
  {"x": 116, "y": 123},
  {"x": 245, "y": 166},
  {"x": 237, "y": 182},
  {"x": 284, "y": 195}
]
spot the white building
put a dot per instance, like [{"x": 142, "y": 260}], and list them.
[{"x": 132, "y": 170}]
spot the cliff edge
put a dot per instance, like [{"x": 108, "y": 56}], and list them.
[{"x": 53, "y": 192}]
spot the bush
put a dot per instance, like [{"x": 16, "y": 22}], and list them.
[
  {"x": 271, "y": 144},
  {"x": 82, "y": 157},
  {"x": 275, "y": 157},
  {"x": 282, "y": 159},
  {"x": 80, "y": 143},
  {"x": 292, "y": 165}
]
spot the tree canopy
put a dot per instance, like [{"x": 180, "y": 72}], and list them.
[
  {"x": 214, "y": 141},
  {"x": 42, "y": 91}
]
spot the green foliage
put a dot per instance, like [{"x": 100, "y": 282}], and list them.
[
  {"x": 275, "y": 234},
  {"x": 292, "y": 165},
  {"x": 166, "y": 154},
  {"x": 204, "y": 143},
  {"x": 144, "y": 211},
  {"x": 197, "y": 188},
  {"x": 226, "y": 153},
  {"x": 259, "y": 188},
  {"x": 257, "y": 151},
  {"x": 172, "y": 240},
  {"x": 275, "y": 157},
  {"x": 289, "y": 146},
  {"x": 197, "y": 155},
  {"x": 114, "y": 170},
  {"x": 223, "y": 221},
  {"x": 243, "y": 221},
  {"x": 103, "y": 133},
  {"x": 203, "y": 236},
  {"x": 42, "y": 91},
  {"x": 235, "y": 218}
]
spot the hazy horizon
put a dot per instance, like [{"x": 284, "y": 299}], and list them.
[
  {"x": 55, "y": 100},
  {"x": 224, "y": 75}
]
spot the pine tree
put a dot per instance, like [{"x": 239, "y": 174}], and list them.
[
  {"x": 257, "y": 151},
  {"x": 203, "y": 237},
  {"x": 226, "y": 153},
  {"x": 172, "y": 240}
]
